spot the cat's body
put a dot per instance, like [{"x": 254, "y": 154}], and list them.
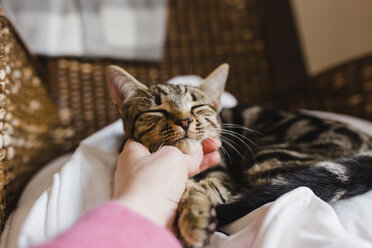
[
  {"x": 292, "y": 149},
  {"x": 267, "y": 152}
]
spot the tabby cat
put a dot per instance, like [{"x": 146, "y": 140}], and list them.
[{"x": 267, "y": 152}]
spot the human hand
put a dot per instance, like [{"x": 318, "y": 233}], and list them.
[{"x": 152, "y": 184}]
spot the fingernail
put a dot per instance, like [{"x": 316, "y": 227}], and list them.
[{"x": 216, "y": 141}]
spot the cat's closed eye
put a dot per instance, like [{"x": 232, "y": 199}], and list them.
[
  {"x": 159, "y": 111},
  {"x": 203, "y": 109}
]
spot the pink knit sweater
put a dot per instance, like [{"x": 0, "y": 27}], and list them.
[{"x": 111, "y": 225}]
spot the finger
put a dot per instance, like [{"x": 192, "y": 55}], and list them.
[
  {"x": 209, "y": 160},
  {"x": 211, "y": 145},
  {"x": 135, "y": 149},
  {"x": 193, "y": 162},
  {"x": 167, "y": 151}
]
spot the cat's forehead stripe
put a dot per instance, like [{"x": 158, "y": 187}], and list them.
[
  {"x": 175, "y": 93},
  {"x": 194, "y": 97},
  {"x": 161, "y": 89},
  {"x": 177, "y": 89}
]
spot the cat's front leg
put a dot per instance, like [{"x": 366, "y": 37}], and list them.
[{"x": 196, "y": 216}]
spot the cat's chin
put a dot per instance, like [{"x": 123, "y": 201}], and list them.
[{"x": 188, "y": 146}]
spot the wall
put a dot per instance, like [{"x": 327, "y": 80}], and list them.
[{"x": 332, "y": 31}]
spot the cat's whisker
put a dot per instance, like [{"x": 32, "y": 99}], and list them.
[
  {"x": 224, "y": 151},
  {"x": 227, "y": 141},
  {"x": 231, "y": 125},
  {"x": 158, "y": 145},
  {"x": 161, "y": 145},
  {"x": 231, "y": 143},
  {"x": 236, "y": 126},
  {"x": 236, "y": 134},
  {"x": 226, "y": 138},
  {"x": 249, "y": 148},
  {"x": 245, "y": 144}
]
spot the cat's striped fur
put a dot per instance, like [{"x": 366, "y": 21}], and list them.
[{"x": 267, "y": 152}]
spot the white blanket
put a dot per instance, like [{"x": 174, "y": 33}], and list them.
[{"x": 72, "y": 184}]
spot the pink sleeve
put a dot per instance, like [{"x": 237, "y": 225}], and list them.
[{"x": 111, "y": 225}]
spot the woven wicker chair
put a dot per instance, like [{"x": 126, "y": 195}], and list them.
[{"x": 47, "y": 105}]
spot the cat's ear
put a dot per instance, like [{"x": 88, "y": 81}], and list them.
[
  {"x": 214, "y": 84},
  {"x": 121, "y": 84}
]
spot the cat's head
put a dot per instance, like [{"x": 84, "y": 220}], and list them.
[{"x": 164, "y": 114}]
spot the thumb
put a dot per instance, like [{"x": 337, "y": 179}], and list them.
[
  {"x": 135, "y": 150},
  {"x": 193, "y": 162}
]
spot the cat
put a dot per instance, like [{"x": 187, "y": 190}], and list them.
[{"x": 267, "y": 152}]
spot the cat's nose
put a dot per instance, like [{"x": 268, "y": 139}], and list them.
[{"x": 184, "y": 123}]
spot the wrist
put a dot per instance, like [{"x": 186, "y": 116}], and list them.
[{"x": 143, "y": 208}]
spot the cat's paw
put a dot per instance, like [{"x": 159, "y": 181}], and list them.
[{"x": 197, "y": 221}]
